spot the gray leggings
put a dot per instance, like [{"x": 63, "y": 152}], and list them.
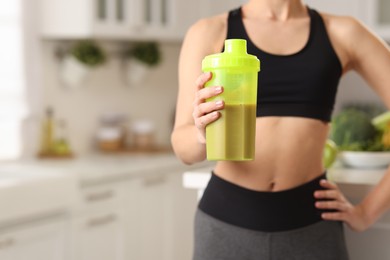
[{"x": 218, "y": 240}]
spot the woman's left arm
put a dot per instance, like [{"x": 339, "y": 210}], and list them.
[{"x": 370, "y": 57}]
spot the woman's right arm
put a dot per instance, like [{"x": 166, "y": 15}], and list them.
[{"x": 193, "y": 114}]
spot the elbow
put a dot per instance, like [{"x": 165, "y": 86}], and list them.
[
  {"x": 177, "y": 152},
  {"x": 181, "y": 151},
  {"x": 185, "y": 161},
  {"x": 188, "y": 159}
]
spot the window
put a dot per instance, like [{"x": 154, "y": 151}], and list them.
[{"x": 12, "y": 79}]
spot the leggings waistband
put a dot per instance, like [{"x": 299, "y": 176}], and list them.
[{"x": 258, "y": 210}]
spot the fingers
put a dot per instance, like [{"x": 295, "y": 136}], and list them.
[
  {"x": 331, "y": 191},
  {"x": 353, "y": 216},
  {"x": 336, "y": 207},
  {"x": 335, "y": 216},
  {"x": 203, "y": 121},
  {"x": 204, "y": 112},
  {"x": 328, "y": 185},
  {"x": 332, "y": 204},
  {"x": 332, "y": 199},
  {"x": 206, "y": 93},
  {"x": 208, "y": 107},
  {"x": 202, "y": 79},
  {"x": 203, "y": 93},
  {"x": 327, "y": 194}
]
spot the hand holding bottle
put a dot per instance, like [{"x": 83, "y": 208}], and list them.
[{"x": 204, "y": 112}]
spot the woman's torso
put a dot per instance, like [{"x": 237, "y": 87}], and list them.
[
  {"x": 288, "y": 149},
  {"x": 288, "y": 153}
]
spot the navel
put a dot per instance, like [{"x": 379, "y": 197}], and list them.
[{"x": 272, "y": 186}]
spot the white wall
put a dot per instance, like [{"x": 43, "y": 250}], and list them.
[
  {"x": 352, "y": 89},
  {"x": 337, "y": 7},
  {"x": 105, "y": 90},
  {"x": 34, "y": 77}
]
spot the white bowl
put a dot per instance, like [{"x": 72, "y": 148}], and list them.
[{"x": 365, "y": 159}]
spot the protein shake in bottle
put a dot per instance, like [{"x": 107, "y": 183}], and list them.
[{"x": 232, "y": 136}]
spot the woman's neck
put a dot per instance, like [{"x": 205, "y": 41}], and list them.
[{"x": 280, "y": 10}]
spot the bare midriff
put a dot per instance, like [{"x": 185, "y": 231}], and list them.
[{"x": 288, "y": 153}]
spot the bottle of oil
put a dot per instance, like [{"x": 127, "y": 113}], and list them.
[{"x": 47, "y": 132}]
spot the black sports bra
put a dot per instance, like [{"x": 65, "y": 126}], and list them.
[{"x": 303, "y": 84}]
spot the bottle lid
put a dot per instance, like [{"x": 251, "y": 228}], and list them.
[{"x": 234, "y": 55}]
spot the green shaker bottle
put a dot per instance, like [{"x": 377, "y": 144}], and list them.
[{"x": 232, "y": 136}]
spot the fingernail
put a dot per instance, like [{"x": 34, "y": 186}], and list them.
[
  {"x": 323, "y": 181},
  {"x": 218, "y": 89},
  {"x": 219, "y": 103},
  {"x": 215, "y": 114}
]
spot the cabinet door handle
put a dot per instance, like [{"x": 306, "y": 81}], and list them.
[
  {"x": 152, "y": 181},
  {"x": 119, "y": 10},
  {"x": 101, "y": 10},
  {"x": 99, "y": 196},
  {"x": 6, "y": 243},
  {"x": 165, "y": 7},
  {"x": 100, "y": 221}
]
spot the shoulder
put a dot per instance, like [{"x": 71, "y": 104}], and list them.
[
  {"x": 348, "y": 35},
  {"x": 343, "y": 26},
  {"x": 203, "y": 38},
  {"x": 210, "y": 24},
  {"x": 208, "y": 32}
]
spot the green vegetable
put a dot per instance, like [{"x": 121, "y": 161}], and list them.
[
  {"x": 377, "y": 145},
  {"x": 380, "y": 122},
  {"x": 329, "y": 154},
  {"x": 88, "y": 53},
  {"x": 352, "y": 130},
  {"x": 146, "y": 52},
  {"x": 371, "y": 109}
]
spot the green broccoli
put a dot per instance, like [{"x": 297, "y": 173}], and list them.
[{"x": 352, "y": 130}]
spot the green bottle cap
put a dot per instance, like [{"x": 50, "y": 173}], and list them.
[{"x": 234, "y": 55}]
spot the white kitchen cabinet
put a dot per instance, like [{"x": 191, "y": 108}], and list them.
[
  {"x": 371, "y": 244},
  {"x": 183, "y": 206},
  {"x": 378, "y": 17},
  {"x": 117, "y": 19},
  {"x": 214, "y": 7},
  {"x": 100, "y": 197},
  {"x": 41, "y": 240},
  {"x": 160, "y": 218},
  {"x": 345, "y": 7},
  {"x": 98, "y": 224},
  {"x": 77, "y": 18},
  {"x": 148, "y": 218},
  {"x": 99, "y": 236}
]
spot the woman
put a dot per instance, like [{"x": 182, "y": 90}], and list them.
[{"x": 279, "y": 205}]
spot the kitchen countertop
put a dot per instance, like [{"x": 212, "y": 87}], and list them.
[
  {"x": 32, "y": 188},
  {"x": 198, "y": 179},
  {"x": 49, "y": 186},
  {"x": 34, "y": 193},
  {"x": 94, "y": 169}
]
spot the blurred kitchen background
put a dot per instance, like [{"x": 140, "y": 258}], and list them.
[{"x": 87, "y": 102}]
